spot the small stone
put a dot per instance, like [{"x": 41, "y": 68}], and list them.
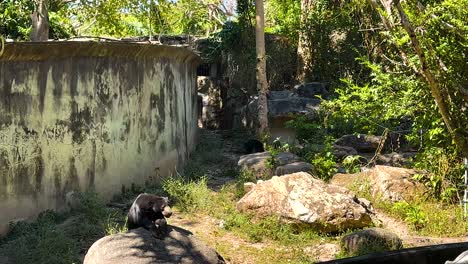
[
  {"x": 221, "y": 224},
  {"x": 72, "y": 200}
]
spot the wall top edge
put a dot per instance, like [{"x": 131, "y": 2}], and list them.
[{"x": 37, "y": 51}]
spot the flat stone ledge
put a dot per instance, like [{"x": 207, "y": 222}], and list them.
[{"x": 37, "y": 51}]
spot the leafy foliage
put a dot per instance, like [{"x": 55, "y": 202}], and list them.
[
  {"x": 445, "y": 177},
  {"x": 411, "y": 213},
  {"x": 14, "y": 18},
  {"x": 283, "y": 18},
  {"x": 190, "y": 196}
]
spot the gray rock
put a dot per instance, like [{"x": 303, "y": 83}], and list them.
[
  {"x": 370, "y": 240},
  {"x": 360, "y": 142},
  {"x": 395, "y": 159},
  {"x": 256, "y": 162},
  {"x": 384, "y": 182},
  {"x": 293, "y": 105},
  {"x": 138, "y": 246},
  {"x": 312, "y": 89},
  {"x": 301, "y": 198},
  {"x": 284, "y": 158},
  {"x": 342, "y": 152},
  {"x": 276, "y": 95},
  {"x": 293, "y": 167}
]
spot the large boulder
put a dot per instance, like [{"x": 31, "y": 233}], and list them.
[
  {"x": 384, "y": 182},
  {"x": 283, "y": 104},
  {"x": 360, "y": 142},
  {"x": 370, "y": 240},
  {"x": 395, "y": 159},
  {"x": 293, "y": 105},
  {"x": 301, "y": 198},
  {"x": 293, "y": 167},
  {"x": 138, "y": 246},
  {"x": 285, "y": 157},
  {"x": 256, "y": 162},
  {"x": 342, "y": 152}
]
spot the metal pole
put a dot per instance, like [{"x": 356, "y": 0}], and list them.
[{"x": 465, "y": 195}]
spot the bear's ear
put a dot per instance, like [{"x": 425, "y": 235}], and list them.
[{"x": 166, "y": 199}]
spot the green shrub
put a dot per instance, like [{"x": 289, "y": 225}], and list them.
[
  {"x": 352, "y": 163},
  {"x": 325, "y": 161},
  {"x": 411, "y": 213},
  {"x": 307, "y": 130},
  {"x": 445, "y": 177}
]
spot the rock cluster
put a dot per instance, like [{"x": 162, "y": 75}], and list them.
[{"x": 384, "y": 182}]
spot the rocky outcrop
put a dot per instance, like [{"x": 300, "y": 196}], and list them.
[
  {"x": 384, "y": 182},
  {"x": 293, "y": 105},
  {"x": 256, "y": 162},
  {"x": 138, "y": 246},
  {"x": 293, "y": 167},
  {"x": 312, "y": 89},
  {"x": 360, "y": 142},
  {"x": 370, "y": 240},
  {"x": 394, "y": 159},
  {"x": 342, "y": 152},
  {"x": 284, "y": 158},
  {"x": 301, "y": 198}
]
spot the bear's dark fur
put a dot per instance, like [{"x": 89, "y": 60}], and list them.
[
  {"x": 253, "y": 146},
  {"x": 150, "y": 212}
]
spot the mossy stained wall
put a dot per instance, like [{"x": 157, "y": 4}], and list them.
[{"x": 81, "y": 115}]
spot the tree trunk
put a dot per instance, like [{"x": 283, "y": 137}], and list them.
[
  {"x": 40, "y": 21},
  {"x": 262, "y": 85},
  {"x": 304, "y": 49}
]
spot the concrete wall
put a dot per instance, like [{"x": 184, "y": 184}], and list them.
[{"x": 80, "y": 115}]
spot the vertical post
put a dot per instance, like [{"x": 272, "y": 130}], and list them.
[
  {"x": 2, "y": 45},
  {"x": 262, "y": 84},
  {"x": 465, "y": 195}
]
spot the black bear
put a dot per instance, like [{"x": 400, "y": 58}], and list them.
[
  {"x": 150, "y": 212},
  {"x": 253, "y": 146}
]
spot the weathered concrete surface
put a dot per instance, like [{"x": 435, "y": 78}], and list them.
[{"x": 79, "y": 115}]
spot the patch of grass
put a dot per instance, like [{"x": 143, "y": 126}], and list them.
[
  {"x": 426, "y": 217},
  {"x": 61, "y": 237},
  {"x": 443, "y": 220},
  {"x": 114, "y": 225},
  {"x": 195, "y": 196},
  {"x": 189, "y": 195},
  {"x": 411, "y": 214},
  {"x": 40, "y": 242}
]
